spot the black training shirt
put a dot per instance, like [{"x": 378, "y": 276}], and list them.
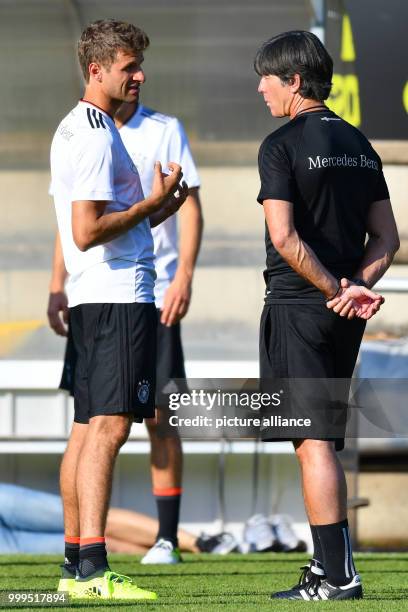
[{"x": 331, "y": 173}]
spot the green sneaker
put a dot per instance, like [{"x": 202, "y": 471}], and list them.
[
  {"x": 109, "y": 585},
  {"x": 67, "y": 581}
]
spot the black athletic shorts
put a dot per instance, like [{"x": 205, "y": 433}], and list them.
[
  {"x": 170, "y": 371},
  {"x": 110, "y": 361},
  {"x": 310, "y": 352}
]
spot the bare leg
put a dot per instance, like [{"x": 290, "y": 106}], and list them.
[
  {"x": 123, "y": 547},
  {"x": 105, "y": 436},
  {"x": 132, "y": 527},
  {"x": 187, "y": 541},
  {"x": 139, "y": 530},
  {"x": 166, "y": 456},
  {"x": 323, "y": 482},
  {"x": 68, "y": 479}
]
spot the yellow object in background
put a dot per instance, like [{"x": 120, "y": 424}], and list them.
[
  {"x": 344, "y": 98},
  {"x": 13, "y": 334},
  {"x": 405, "y": 97},
  {"x": 347, "y": 53}
]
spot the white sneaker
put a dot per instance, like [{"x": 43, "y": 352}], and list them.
[
  {"x": 258, "y": 534},
  {"x": 162, "y": 553},
  {"x": 282, "y": 526}
]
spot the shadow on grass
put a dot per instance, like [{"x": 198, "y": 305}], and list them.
[
  {"x": 198, "y": 560},
  {"x": 170, "y": 575}
]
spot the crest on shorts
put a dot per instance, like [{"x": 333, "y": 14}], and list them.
[{"x": 143, "y": 391}]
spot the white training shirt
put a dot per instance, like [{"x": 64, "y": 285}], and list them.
[
  {"x": 149, "y": 137},
  {"x": 90, "y": 162}
]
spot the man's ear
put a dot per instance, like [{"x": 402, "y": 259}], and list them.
[
  {"x": 95, "y": 72},
  {"x": 295, "y": 83}
]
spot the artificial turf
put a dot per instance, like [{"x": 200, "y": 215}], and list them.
[{"x": 211, "y": 583}]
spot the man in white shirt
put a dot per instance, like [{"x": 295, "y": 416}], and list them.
[
  {"x": 104, "y": 226},
  {"x": 149, "y": 136}
]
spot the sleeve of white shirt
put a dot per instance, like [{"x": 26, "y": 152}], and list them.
[
  {"x": 93, "y": 168},
  {"x": 178, "y": 151}
]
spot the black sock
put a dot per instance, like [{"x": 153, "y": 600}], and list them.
[
  {"x": 337, "y": 554},
  {"x": 168, "y": 510},
  {"x": 92, "y": 558},
  {"x": 71, "y": 555},
  {"x": 317, "y": 547}
]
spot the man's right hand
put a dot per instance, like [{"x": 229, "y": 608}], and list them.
[
  {"x": 165, "y": 185},
  {"x": 57, "y": 312}
]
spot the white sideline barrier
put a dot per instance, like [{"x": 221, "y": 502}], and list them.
[
  {"x": 27, "y": 374},
  {"x": 142, "y": 447},
  {"x": 392, "y": 285},
  {"x": 36, "y": 416},
  {"x": 31, "y": 406}
]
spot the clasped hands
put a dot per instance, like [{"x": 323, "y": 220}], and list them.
[{"x": 355, "y": 301}]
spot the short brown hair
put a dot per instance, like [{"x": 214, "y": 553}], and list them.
[{"x": 102, "y": 39}]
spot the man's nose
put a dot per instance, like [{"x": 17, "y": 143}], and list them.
[
  {"x": 139, "y": 76},
  {"x": 260, "y": 86}
]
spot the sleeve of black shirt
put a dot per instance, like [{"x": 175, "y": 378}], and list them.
[
  {"x": 381, "y": 190},
  {"x": 277, "y": 182}
]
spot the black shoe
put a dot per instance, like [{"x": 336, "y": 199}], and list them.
[
  {"x": 319, "y": 590},
  {"x": 221, "y": 543},
  {"x": 311, "y": 577},
  {"x": 352, "y": 590}
]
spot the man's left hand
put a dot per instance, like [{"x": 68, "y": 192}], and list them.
[
  {"x": 176, "y": 300},
  {"x": 355, "y": 301}
]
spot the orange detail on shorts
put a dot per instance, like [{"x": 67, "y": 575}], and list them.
[
  {"x": 72, "y": 539},
  {"x": 169, "y": 492},
  {"x": 86, "y": 541}
]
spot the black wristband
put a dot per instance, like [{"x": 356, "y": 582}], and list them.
[
  {"x": 359, "y": 281},
  {"x": 337, "y": 290}
]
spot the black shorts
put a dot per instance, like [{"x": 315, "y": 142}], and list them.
[
  {"x": 317, "y": 348},
  {"x": 170, "y": 371},
  {"x": 110, "y": 360}
]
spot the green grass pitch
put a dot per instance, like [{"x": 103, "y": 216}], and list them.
[{"x": 211, "y": 583}]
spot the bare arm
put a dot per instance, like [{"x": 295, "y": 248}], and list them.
[
  {"x": 90, "y": 226},
  {"x": 191, "y": 231},
  {"x": 57, "y": 310},
  {"x": 300, "y": 257},
  {"x": 383, "y": 242},
  {"x": 178, "y": 295},
  {"x": 360, "y": 301}
]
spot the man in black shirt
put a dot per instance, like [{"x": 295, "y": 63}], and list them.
[{"x": 323, "y": 192}]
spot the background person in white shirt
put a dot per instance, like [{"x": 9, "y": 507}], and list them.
[
  {"x": 104, "y": 224},
  {"x": 149, "y": 136}
]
